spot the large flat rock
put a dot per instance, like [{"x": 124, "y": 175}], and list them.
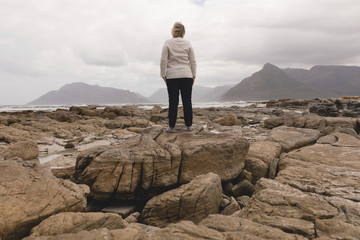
[
  {"x": 29, "y": 193},
  {"x": 141, "y": 164},
  {"x": 120, "y": 170},
  {"x": 71, "y": 222},
  {"x": 291, "y": 138},
  {"x": 220, "y": 153},
  {"x": 316, "y": 192},
  {"x": 239, "y": 228},
  {"x": 291, "y": 210}
]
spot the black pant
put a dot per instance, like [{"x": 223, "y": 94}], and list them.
[{"x": 184, "y": 85}]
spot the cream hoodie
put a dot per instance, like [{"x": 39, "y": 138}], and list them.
[{"x": 177, "y": 59}]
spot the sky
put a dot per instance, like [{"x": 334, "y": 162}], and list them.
[{"x": 45, "y": 44}]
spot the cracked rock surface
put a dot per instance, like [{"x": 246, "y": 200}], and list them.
[
  {"x": 192, "y": 201},
  {"x": 29, "y": 193}
]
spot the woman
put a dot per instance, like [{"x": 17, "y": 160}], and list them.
[{"x": 178, "y": 69}]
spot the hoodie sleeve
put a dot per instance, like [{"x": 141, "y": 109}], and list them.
[
  {"x": 164, "y": 60},
  {"x": 192, "y": 61}
]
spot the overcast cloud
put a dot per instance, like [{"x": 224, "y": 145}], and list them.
[{"x": 45, "y": 44}]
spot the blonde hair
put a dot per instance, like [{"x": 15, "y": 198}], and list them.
[{"x": 178, "y": 30}]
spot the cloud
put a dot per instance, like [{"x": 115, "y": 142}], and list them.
[{"x": 45, "y": 44}]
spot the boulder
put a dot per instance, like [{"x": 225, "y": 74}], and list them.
[
  {"x": 291, "y": 138},
  {"x": 133, "y": 218},
  {"x": 64, "y": 173},
  {"x": 26, "y": 150},
  {"x": 259, "y": 158},
  {"x": 132, "y": 232},
  {"x": 243, "y": 187},
  {"x": 192, "y": 201},
  {"x": 326, "y": 169},
  {"x": 136, "y": 167},
  {"x": 278, "y": 205},
  {"x": 121, "y": 170},
  {"x": 29, "y": 193},
  {"x": 336, "y": 229},
  {"x": 75, "y": 222},
  {"x": 187, "y": 230},
  {"x": 231, "y": 208},
  {"x": 205, "y": 152},
  {"x": 239, "y": 228},
  {"x": 327, "y": 109},
  {"x": 64, "y": 116},
  {"x": 295, "y": 120},
  {"x": 229, "y": 120}
]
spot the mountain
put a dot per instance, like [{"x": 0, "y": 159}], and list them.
[
  {"x": 161, "y": 95},
  {"x": 216, "y": 93},
  {"x": 343, "y": 80},
  {"x": 82, "y": 93},
  {"x": 272, "y": 83}
]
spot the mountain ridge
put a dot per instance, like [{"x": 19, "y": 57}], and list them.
[
  {"x": 272, "y": 83},
  {"x": 82, "y": 93}
]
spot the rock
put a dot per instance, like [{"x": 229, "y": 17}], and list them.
[
  {"x": 132, "y": 232},
  {"x": 205, "y": 152},
  {"x": 187, "y": 230},
  {"x": 336, "y": 229},
  {"x": 290, "y": 103},
  {"x": 243, "y": 201},
  {"x": 29, "y": 193},
  {"x": 192, "y": 201},
  {"x": 8, "y": 120},
  {"x": 153, "y": 132},
  {"x": 149, "y": 230},
  {"x": 291, "y": 138},
  {"x": 121, "y": 170},
  {"x": 156, "y": 110},
  {"x": 328, "y": 139},
  {"x": 273, "y": 169},
  {"x": 74, "y": 142},
  {"x": 239, "y": 228},
  {"x": 324, "y": 169},
  {"x": 118, "y": 111},
  {"x": 135, "y": 129},
  {"x": 85, "y": 111},
  {"x": 225, "y": 202},
  {"x": 64, "y": 173},
  {"x": 114, "y": 124},
  {"x": 291, "y": 210},
  {"x": 133, "y": 218},
  {"x": 75, "y": 222},
  {"x": 64, "y": 116},
  {"x": 294, "y": 120},
  {"x": 26, "y": 150},
  {"x": 244, "y": 187},
  {"x": 229, "y": 120},
  {"x": 227, "y": 186},
  {"x": 157, "y": 118},
  {"x": 327, "y": 109},
  {"x": 273, "y": 122},
  {"x": 231, "y": 208},
  {"x": 259, "y": 158},
  {"x": 122, "y": 209},
  {"x": 341, "y": 122}
]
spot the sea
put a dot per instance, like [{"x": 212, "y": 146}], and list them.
[{"x": 50, "y": 108}]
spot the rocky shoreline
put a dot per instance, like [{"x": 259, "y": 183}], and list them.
[{"x": 286, "y": 169}]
